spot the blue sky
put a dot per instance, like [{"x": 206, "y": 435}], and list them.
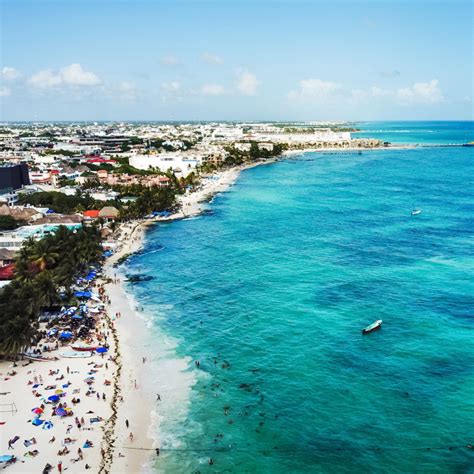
[{"x": 236, "y": 59}]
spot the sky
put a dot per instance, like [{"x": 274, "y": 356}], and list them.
[{"x": 236, "y": 60}]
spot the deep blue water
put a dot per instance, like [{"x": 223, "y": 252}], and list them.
[
  {"x": 270, "y": 291},
  {"x": 424, "y": 133}
]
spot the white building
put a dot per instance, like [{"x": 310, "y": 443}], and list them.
[{"x": 181, "y": 164}]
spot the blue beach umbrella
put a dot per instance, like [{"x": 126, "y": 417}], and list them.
[
  {"x": 102, "y": 350},
  {"x": 66, "y": 335},
  {"x": 37, "y": 422},
  {"x": 77, "y": 316},
  {"x": 53, "y": 398},
  {"x": 47, "y": 426}
]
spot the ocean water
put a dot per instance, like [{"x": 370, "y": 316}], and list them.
[
  {"x": 269, "y": 291},
  {"x": 423, "y": 133}
]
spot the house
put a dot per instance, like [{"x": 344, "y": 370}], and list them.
[
  {"x": 92, "y": 214},
  {"x": 102, "y": 174},
  {"x": 109, "y": 213},
  {"x": 6, "y": 257},
  {"x": 242, "y": 146}
]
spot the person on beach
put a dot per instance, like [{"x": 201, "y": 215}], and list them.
[
  {"x": 60, "y": 467},
  {"x": 126, "y": 423},
  {"x": 131, "y": 437},
  {"x": 158, "y": 398},
  {"x": 79, "y": 453}
]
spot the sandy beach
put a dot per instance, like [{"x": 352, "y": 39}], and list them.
[{"x": 26, "y": 389}]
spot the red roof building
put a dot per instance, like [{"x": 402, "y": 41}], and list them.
[
  {"x": 7, "y": 272},
  {"x": 92, "y": 214}
]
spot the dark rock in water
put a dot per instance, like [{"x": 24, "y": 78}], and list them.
[{"x": 138, "y": 278}]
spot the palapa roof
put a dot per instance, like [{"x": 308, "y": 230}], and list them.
[{"x": 109, "y": 211}]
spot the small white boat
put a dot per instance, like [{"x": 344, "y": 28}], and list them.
[
  {"x": 415, "y": 212},
  {"x": 75, "y": 355},
  {"x": 373, "y": 327}
]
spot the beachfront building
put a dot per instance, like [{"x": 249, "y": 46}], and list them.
[
  {"x": 181, "y": 164},
  {"x": 13, "y": 240}
]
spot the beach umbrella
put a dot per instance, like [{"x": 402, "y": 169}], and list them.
[
  {"x": 66, "y": 335},
  {"x": 37, "y": 422},
  {"x": 6, "y": 458},
  {"x": 52, "y": 332},
  {"x": 61, "y": 412},
  {"x": 47, "y": 426},
  {"x": 59, "y": 391},
  {"x": 101, "y": 350},
  {"x": 37, "y": 411},
  {"x": 54, "y": 398},
  {"x": 77, "y": 316}
]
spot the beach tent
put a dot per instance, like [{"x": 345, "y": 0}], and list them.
[{"x": 82, "y": 294}]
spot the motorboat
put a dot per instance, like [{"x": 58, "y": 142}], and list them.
[
  {"x": 372, "y": 327},
  {"x": 415, "y": 212},
  {"x": 84, "y": 348}
]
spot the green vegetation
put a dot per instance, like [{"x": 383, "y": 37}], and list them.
[
  {"x": 59, "y": 202},
  {"x": 45, "y": 270},
  {"x": 50, "y": 151},
  {"x": 9, "y": 223},
  {"x": 148, "y": 199},
  {"x": 238, "y": 157}
]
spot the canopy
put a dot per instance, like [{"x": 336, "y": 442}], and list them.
[
  {"x": 37, "y": 422},
  {"x": 6, "y": 458},
  {"x": 47, "y": 426},
  {"x": 37, "y": 411},
  {"x": 83, "y": 294},
  {"x": 66, "y": 335},
  {"x": 101, "y": 350},
  {"x": 54, "y": 398}
]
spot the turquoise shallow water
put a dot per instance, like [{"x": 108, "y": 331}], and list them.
[
  {"x": 422, "y": 133},
  {"x": 270, "y": 290}
]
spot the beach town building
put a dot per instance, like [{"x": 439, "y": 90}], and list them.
[{"x": 181, "y": 164}]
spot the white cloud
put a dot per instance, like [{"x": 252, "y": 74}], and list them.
[
  {"x": 211, "y": 58},
  {"x": 247, "y": 83},
  {"x": 10, "y": 73},
  {"x": 45, "y": 79},
  {"x": 421, "y": 93},
  {"x": 212, "y": 89},
  {"x": 173, "y": 86},
  {"x": 5, "y": 91},
  {"x": 75, "y": 75},
  {"x": 72, "y": 75},
  {"x": 315, "y": 90},
  {"x": 169, "y": 60},
  {"x": 379, "y": 92}
]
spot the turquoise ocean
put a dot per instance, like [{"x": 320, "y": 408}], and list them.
[{"x": 269, "y": 290}]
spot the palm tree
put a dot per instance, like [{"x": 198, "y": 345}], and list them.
[{"x": 44, "y": 255}]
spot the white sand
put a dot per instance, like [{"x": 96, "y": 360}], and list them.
[{"x": 16, "y": 390}]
